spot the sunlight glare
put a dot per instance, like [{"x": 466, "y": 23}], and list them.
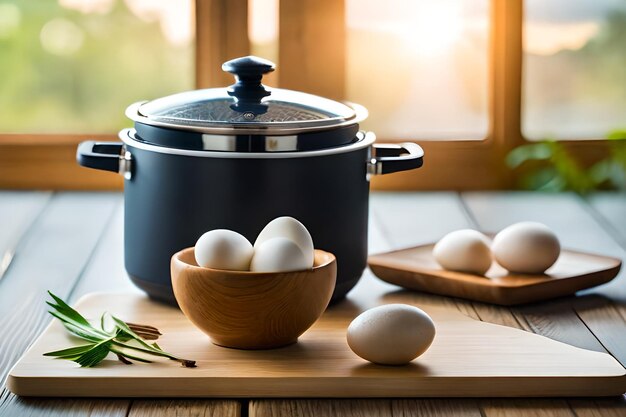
[{"x": 434, "y": 28}]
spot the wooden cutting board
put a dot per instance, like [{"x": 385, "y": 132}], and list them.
[
  {"x": 468, "y": 358},
  {"x": 415, "y": 268}
]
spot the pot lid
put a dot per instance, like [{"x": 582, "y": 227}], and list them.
[{"x": 246, "y": 106}]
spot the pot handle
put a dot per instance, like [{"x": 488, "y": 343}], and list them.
[
  {"x": 105, "y": 156},
  {"x": 390, "y": 158}
]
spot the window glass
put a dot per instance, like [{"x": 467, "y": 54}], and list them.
[
  {"x": 420, "y": 66},
  {"x": 574, "y": 68},
  {"x": 74, "y": 65}
]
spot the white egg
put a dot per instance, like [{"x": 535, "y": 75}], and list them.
[
  {"x": 392, "y": 334},
  {"x": 526, "y": 247},
  {"x": 278, "y": 255},
  {"x": 292, "y": 229},
  {"x": 223, "y": 249},
  {"x": 464, "y": 250}
]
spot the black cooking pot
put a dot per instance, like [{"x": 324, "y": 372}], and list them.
[{"x": 237, "y": 158}]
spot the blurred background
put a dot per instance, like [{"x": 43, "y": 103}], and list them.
[
  {"x": 422, "y": 68},
  {"x": 74, "y": 65}
]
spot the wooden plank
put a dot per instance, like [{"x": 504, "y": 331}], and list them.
[
  {"x": 420, "y": 218},
  {"x": 597, "y": 324},
  {"x": 611, "y": 206},
  {"x": 312, "y": 47},
  {"x": 52, "y": 255},
  {"x": 184, "y": 408},
  {"x": 361, "y": 407},
  {"x": 319, "y": 408},
  {"x": 523, "y": 408},
  {"x": 409, "y": 219},
  {"x": 505, "y": 104},
  {"x": 558, "y": 320},
  {"x": 48, "y": 162},
  {"x": 401, "y": 219},
  {"x": 494, "y": 211},
  {"x": 18, "y": 210},
  {"x": 321, "y": 365},
  {"x": 221, "y": 35},
  {"x": 50, "y": 407},
  {"x": 599, "y": 407},
  {"x": 105, "y": 270},
  {"x": 435, "y": 408}
]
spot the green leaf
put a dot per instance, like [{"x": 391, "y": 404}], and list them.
[
  {"x": 103, "y": 342},
  {"x": 533, "y": 152},
  {"x": 125, "y": 353},
  {"x": 617, "y": 134},
  {"x": 78, "y": 331},
  {"x": 95, "y": 355},
  {"x": 66, "y": 310},
  {"x": 70, "y": 352}
]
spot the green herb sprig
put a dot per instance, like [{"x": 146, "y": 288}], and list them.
[{"x": 126, "y": 340}]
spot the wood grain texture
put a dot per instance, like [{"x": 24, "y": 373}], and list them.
[
  {"x": 516, "y": 363},
  {"x": 434, "y": 408},
  {"x": 595, "y": 307},
  {"x": 362, "y": 407},
  {"x": 320, "y": 408},
  {"x": 51, "y": 254},
  {"x": 611, "y": 208},
  {"x": 252, "y": 310},
  {"x": 312, "y": 51},
  {"x": 587, "y": 321},
  {"x": 416, "y": 268},
  {"x": 105, "y": 270},
  {"x": 185, "y": 408},
  {"x": 411, "y": 219},
  {"x": 599, "y": 407},
  {"x": 18, "y": 210},
  {"x": 221, "y": 35},
  {"x": 48, "y": 162},
  {"x": 526, "y": 408}
]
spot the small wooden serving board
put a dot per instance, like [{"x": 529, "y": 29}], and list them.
[
  {"x": 415, "y": 268},
  {"x": 467, "y": 359}
]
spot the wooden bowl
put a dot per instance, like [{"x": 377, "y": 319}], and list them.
[{"x": 252, "y": 310}]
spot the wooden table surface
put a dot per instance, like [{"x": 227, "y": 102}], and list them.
[{"x": 71, "y": 244}]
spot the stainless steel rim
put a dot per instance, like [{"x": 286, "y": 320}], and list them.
[
  {"x": 132, "y": 112},
  {"x": 366, "y": 139}
]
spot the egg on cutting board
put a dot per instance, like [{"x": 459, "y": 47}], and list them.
[
  {"x": 464, "y": 250},
  {"x": 526, "y": 247},
  {"x": 223, "y": 249},
  {"x": 391, "y": 334},
  {"x": 289, "y": 228},
  {"x": 278, "y": 254}
]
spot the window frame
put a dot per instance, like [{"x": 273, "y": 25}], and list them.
[{"x": 312, "y": 58}]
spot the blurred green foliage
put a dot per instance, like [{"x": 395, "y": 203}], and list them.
[
  {"x": 577, "y": 93},
  {"x": 110, "y": 60},
  {"x": 548, "y": 166}
]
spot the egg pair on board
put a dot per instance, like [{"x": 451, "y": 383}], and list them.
[
  {"x": 283, "y": 245},
  {"x": 526, "y": 247}
]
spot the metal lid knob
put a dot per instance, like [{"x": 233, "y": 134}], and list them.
[{"x": 248, "y": 91}]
